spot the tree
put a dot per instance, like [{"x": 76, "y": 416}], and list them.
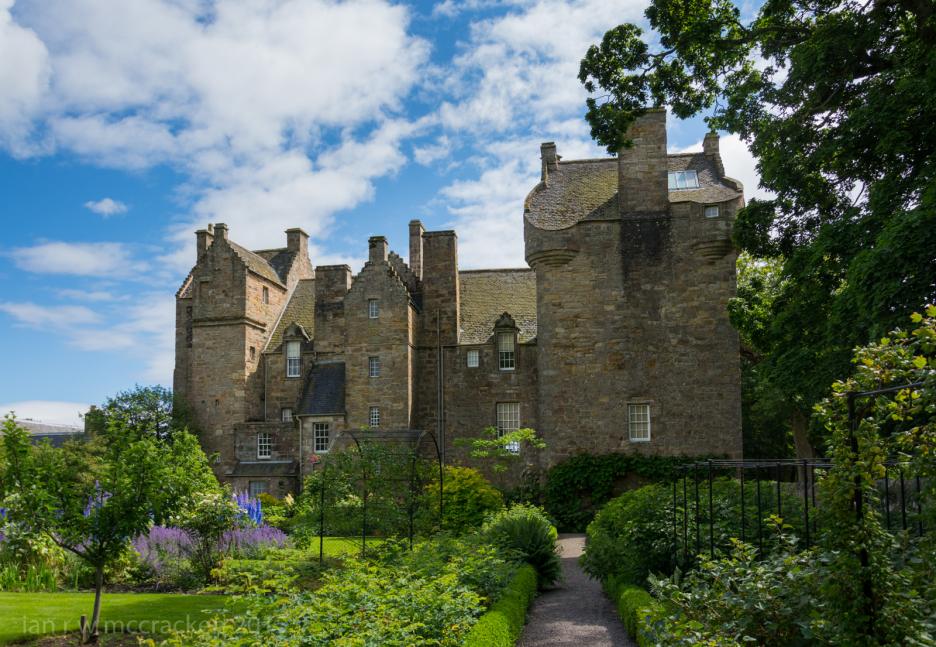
[
  {"x": 91, "y": 498},
  {"x": 146, "y": 410},
  {"x": 836, "y": 101}
]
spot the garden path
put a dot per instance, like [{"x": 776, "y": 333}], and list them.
[{"x": 576, "y": 612}]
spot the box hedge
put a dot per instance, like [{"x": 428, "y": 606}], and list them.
[{"x": 503, "y": 622}]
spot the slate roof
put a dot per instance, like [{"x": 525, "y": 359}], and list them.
[
  {"x": 300, "y": 310},
  {"x": 279, "y": 259},
  {"x": 256, "y": 263},
  {"x": 587, "y": 190},
  {"x": 264, "y": 468},
  {"x": 54, "y": 433},
  {"x": 324, "y": 392},
  {"x": 487, "y": 294}
]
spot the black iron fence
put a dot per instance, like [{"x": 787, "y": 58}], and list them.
[{"x": 714, "y": 501}]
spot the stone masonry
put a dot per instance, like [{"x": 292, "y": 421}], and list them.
[{"x": 620, "y": 336}]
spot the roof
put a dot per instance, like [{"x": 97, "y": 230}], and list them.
[
  {"x": 580, "y": 190},
  {"x": 256, "y": 263},
  {"x": 279, "y": 259},
  {"x": 265, "y": 468},
  {"x": 487, "y": 294},
  {"x": 324, "y": 392},
  {"x": 55, "y": 433},
  {"x": 300, "y": 310}
]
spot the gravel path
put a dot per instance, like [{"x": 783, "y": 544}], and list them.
[{"x": 576, "y": 612}]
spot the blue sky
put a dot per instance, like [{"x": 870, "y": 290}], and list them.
[{"x": 124, "y": 126}]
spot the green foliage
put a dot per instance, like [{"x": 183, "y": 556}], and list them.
[
  {"x": 502, "y": 624},
  {"x": 91, "y": 498},
  {"x": 636, "y": 608},
  {"x": 280, "y": 571},
  {"x": 149, "y": 411},
  {"x": 632, "y": 536},
  {"x": 577, "y": 487},
  {"x": 468, "y": 498},
  {"x": 502, "y": 449},
  {"x": 526, "y": 532},
  {"x": 206, "y": 519},
  {"x": 834, "y": 100}
]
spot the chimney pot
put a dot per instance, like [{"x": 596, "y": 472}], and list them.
[{"x": 203, "y": 238}]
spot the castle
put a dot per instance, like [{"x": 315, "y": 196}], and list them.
[{"x": 616, "y": 339}]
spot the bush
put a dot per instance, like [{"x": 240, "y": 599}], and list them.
[
  {"x": 468, "y": 499},
  {"x": 278, "y": 570},
  {"x": 637, "y": 609},
  {"x": 526, "y": 532},
  {"x": 577, "y": 487},
  {"x": 502, "y": 624}
]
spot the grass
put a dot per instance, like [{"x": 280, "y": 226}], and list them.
[
  {"x": 29, "y": 615},
  {"x": 339, "y": 546}
]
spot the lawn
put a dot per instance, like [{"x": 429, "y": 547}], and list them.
[
  {"x": 338, "y": 546},
  {"x": 28, "y": 615}
]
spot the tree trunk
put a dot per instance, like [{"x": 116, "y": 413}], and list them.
[
  {"x": 96, "y": 614},
  {"x": 800, "y": 425}
]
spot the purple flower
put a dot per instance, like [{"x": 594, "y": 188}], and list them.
[
  {"x": 97, "y": 500},
  {"x": 162, "y": 544},
  {"x": 251, "y": 507}
]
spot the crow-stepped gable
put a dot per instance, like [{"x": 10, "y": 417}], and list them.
[{"x": 617, "y": 339}]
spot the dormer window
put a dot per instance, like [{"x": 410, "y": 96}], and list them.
[
  {"x": 683, "y": 180},
  {"x": 373, "y": 309},
  {"x": 293, "y": 359},
  {"x": 506, "y": 354}
]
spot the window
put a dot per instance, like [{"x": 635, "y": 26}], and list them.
[
  {"x": 256, "y": 488},
  {"x": 373, "y": 309},
  {"x": 505, "y": 351},
  {"x": 373, "y": 419},
  {"x": 373, "y": 366},
  {"x": 264, "y": 445},
  {"x": 508, "y": 419},
  {"x": 253, "y": 353},
  {"x": 266, "y": 295},
  {"x": 320, "y": 432},
  {"x": 473, "y": 358},
  {"x": 286, "y": 414},
  {"x": 683, "y": 180},
  {"x": 293, "y": 360},
  {"x": 711, "y": 211},
  {"x": 638, "y": 423}
]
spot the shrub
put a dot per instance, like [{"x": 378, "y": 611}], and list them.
[
  {"x": 503, "y": 622},
  {"x": 637, "y": 609},
  {"x": 526, "y": 532},
  {"x": 577, "y": 487},
  {"x": 279, "y": 570},
  {"x": 468, "y": 498}
]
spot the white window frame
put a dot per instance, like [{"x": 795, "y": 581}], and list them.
[
  {"x": 321, "y": 432},
  {"x": 264, "y": 446},
  {"x": 707, "y": 211},
  {"x": 293, "y": 359},
  {"x": 373, "y": 366},
  {"x": 679, "y": 180},
  {"x": 506, "y": 351},
  {"x": 638, "y": 422},
  {"x": 473, "y": 358},
  {"x": 373, "y": 309},
  {"x": 373, "y": 417},
  {"x": 256, "y": 488},
  {"x": 286, "y": 414},
  {"x": 508, "y": 420}
]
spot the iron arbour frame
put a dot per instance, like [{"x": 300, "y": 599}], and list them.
[{"x": 409, "y": 446}]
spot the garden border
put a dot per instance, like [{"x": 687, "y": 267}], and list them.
[{"x": 502, "y": 624}]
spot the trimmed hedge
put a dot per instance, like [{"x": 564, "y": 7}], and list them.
[
  {"x": 503, "y": 622},
  {"x": 637, "y": 609}
]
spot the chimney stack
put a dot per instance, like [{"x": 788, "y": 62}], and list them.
[
  {"x": 550, "y": 159},
  {"x": 221, "y": 230},
  {"x": 416, "y": 231},
  {"x": 642, "y": 168},
  {"x": 297, "y": 241},
  {"x": 377, "y": 246},
  {"x": 203, "y": 238},
  {"x": 710, "y": 144}
]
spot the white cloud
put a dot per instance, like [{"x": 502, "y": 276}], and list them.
[
  {"x": 430, "y": 153},
  {"x": 24, "y": 78},
  {"x": 82, "y": 259},
  {"x": 89, "y": 295},
  {"x": 58, "y": 317},
  {"x": 51, "y": 411},
  {"x": 106, "y": 207}
]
